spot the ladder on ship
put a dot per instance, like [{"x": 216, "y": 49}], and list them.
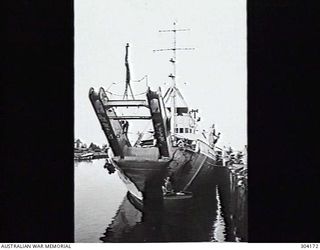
[{"x": 111, "y": 122}]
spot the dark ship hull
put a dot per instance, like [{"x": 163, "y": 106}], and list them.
[{"x": 191, "y": 174}]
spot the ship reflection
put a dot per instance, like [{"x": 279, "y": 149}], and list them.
[{"x": 200, "y": 221}]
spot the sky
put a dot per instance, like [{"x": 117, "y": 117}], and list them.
[{"x": 212, "y": 78}]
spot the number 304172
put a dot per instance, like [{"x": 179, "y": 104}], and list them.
[{"x": 310, "y": 245}]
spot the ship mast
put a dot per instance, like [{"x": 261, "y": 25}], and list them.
[
  {"x": 173, "y": 75},
  {"x": 128, "y": 86}
]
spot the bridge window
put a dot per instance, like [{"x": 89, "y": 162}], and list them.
[
  {"x": 187, "y": 130},
  {"x": 177, "y": 130},
  {"x": 180, "y": 130}
]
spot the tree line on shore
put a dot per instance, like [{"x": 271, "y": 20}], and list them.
[{"x": 82, "y": 147}]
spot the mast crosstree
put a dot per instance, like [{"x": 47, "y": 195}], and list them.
[{"x": 172, "y": 90}]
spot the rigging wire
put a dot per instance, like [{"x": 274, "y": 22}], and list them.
[
  {"x": 111, "y": 93},
  {"x": 145, "y": 77}
]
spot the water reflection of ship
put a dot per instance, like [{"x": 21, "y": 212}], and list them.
[
  {"x": 123, "y": 223},
  {"x": 219, "y": 215},
  {"x": 194, "y": 223}
]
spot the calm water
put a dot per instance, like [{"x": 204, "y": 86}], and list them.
[{"x": 103, "y": 213}]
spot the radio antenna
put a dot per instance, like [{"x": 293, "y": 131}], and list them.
[{"x": 173, "y": 60}]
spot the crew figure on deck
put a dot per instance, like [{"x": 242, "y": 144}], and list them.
[
  {"x": 213, "y": 138},
  {"x": 125, "y": 126}
]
